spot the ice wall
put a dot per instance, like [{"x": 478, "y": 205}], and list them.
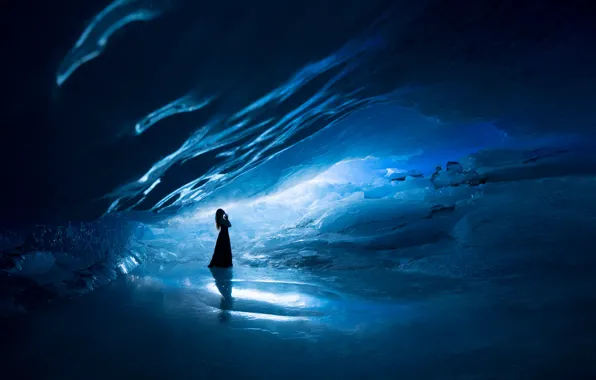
[
  {"x": 370, "y": 211},
  {"x": 48, "y": 263},
  {"x": 385, "y": 187}
]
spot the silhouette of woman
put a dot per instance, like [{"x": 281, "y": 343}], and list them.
[{"x": 222, "y": 255}]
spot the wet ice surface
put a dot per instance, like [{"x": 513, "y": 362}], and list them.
[
  {"x": 270, "y": 299},
  {"x": 171, "y": 323},
  {"x": 508, "y": 292}
]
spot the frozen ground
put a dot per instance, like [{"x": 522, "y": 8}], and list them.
[
  {"x": 505, "y": 291},
  {"x": 357, "y": 324}
]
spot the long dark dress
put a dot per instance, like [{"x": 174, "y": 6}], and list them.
[{"x": 222, "y": 255}]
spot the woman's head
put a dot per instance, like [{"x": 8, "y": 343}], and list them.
[{"x": 219, "y": 215}]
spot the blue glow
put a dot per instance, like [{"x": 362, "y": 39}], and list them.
[
  {"x": 184, "y": 104},
  {"x": 128, "y": 264},
  {"x": 269, "y": 137},
  {"x": 396, "y": 174},
  {"x": 95, "y": 37},
  {"x": 284, "y": 299}
]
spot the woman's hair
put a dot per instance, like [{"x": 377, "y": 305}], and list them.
[{"x": 219, "y": 216}]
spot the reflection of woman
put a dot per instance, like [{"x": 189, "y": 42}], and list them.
[
  {"x": 223, "y": 282},
  {"x": 222, "y": 255}
]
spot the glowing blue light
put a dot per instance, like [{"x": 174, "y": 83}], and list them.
[
  {"x": 282, "y": 299},
  {"x": 95, "y": 37},
  {"x": 246, "y": 125},
  {"x": 268, "y": 317},
  {"x": 185, "y": 104},
  {"x": 157, "y": 182},
  {"x": 128, "y": 264}
]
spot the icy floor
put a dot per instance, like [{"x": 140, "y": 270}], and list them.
[
  {"x": 172, "y": 323},
  {"x": 501, "y": 287}
]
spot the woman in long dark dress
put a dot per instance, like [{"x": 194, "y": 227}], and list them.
[{"x": 222, "y": 255}]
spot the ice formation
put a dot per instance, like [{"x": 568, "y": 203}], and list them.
[
  {"x": 96, "y": 35},
  {"x": 395, "y": 171}
]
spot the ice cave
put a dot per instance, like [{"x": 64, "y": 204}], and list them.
[{"x": 411, "y": 187}]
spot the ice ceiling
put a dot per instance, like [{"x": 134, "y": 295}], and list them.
[{"x": 157, "y": 105}]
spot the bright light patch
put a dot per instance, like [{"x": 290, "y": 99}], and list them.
[
  {"x": 128, "y": 264},
  {"x": 305, "y": 194},
  {"x": 268, "y": 317},
  {"x": 157, "y": 182},
  {"x": 282, "y": 299},
  {"x": 391, "y": 171}
]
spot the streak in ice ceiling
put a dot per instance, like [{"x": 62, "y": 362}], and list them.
[{"x": 156, "y": 104}]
